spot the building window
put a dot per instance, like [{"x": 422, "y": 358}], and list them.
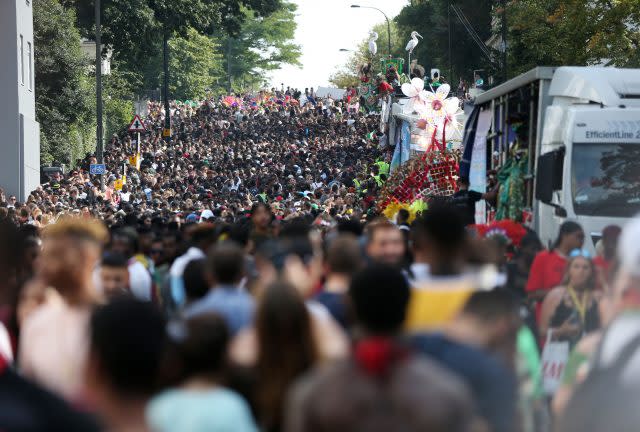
[
  {"x": 21, "y": 62},
  {"x": 30, "y": 66}
]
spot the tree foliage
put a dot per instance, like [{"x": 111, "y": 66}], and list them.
[
  {"x": 134, "y": 29},
  {"x": 344, "y": 78},
  {"x": 63, "y": 103},
  {"x": 118, "y": 105},
  {"x": 347, "y": 75},
  {"x": 572, "y": 32},
  {"x": 194, "y": 65},
  {"x": 262, "y": 44},
  {"x": 431, "y": 20},
  {"x": 65, "y": 88}
]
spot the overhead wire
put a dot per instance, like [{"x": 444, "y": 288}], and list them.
[{"x": 472, "y": 33}]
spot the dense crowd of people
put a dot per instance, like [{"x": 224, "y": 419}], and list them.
[
  {"x": 224, "y": 155},
  {"x": 241, "y": 280}
]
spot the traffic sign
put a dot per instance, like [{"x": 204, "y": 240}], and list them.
[
  {"x": 97, "y": 169},
  {"x": 166, "y": 132},
  {"x": 136, "y": 125}
]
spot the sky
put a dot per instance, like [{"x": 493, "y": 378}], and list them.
[{"x": 325, "y": 26}]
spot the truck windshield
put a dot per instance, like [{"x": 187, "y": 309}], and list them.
[{"x": 606, "y": 179}]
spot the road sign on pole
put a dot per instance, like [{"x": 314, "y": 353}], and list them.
[
  {"x": 136, "y": 125},
  {"x": 97, "y": 169}
]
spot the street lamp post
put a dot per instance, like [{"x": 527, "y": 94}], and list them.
[
  {"x": 166, "y": 133},
  {"x": 99, "y": 133},
  {"x": 449, "y": 30},
  {"x": 388, "y": 25}
]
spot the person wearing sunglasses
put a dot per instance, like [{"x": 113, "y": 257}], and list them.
[{"x": 571, "y": 310}]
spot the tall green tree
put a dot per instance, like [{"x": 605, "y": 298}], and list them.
[
  {"x": 262, "y": 44},
  {"x": 134, "y": 29},
  {"x": 119, "y": 88},
  {"x": 431, "y": 19},
  {"x": 194, "y": 66},
  {"x": 572, "y": 32},
  {"x": 63, "y": 104}
]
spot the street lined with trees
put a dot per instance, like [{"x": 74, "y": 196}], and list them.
[{"x": 208, "y": 40}]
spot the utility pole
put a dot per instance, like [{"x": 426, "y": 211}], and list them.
[
  {"x": 504, "y": 40},
  {"x": 99, "y": 133},
  {"x": 449, "y": 25},
  {"x": 166, "y": 133},
  {"x": 229, "y": 65}
]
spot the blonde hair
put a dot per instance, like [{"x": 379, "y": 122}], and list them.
[
  {"x": 591, "y": 282},
  {"x": 86, "y": 229},
  {"x": 46, "y": 219}
]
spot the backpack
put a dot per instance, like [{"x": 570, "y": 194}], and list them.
[{"x": 601, "y": 403}]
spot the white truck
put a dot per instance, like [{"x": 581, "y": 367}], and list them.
[{"x": 582, "y": 133}]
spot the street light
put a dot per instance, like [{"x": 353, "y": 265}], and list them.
[
  {"x": 345, "y": 50},
  {"x": 388, "y": 25},
  {"x": 99, "y": 132}
]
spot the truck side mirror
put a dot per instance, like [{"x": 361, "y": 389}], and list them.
[
  {"x": 560, "y": 211},
  {"x": 549, "y": 175}
]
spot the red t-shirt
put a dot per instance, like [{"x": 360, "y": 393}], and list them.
[
  {"x": 602, "y": 267},
  {"x": 602, "y": 264},
  {"x": 547, "y": 271}
]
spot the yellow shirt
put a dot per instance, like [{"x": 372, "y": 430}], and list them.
[{"x": 436, "y": 302}]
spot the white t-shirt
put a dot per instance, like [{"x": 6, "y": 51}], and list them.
[
  {"x": 54, "y": 343},
  {"x": 620, "y": 333},
  {"x": 139, "y": 281},
  {"x": 5, "y": 344}
]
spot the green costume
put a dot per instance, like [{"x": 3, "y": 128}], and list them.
[
  {"x": 356, "y": 182},
  {"x": 383, "y": 167},
  {"x": 531, "y": 396},
  {"x": 511, "y": 200}
]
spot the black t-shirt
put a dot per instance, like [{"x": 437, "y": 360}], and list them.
[
  {"x": 516, "y": 280},
  {"x": 336, "y": 305},
  {"x": 26, "y": 407},
  {"x": 466, "y": 200}
]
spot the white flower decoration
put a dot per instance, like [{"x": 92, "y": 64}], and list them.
[
  {"x": 439, "y": 118},
  {"x": 453, "y": 126},
  {"x": 438, "y": 106},
  {"x": 417, "y": 96}
]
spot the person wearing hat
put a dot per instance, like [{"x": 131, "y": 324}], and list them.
[{"x": 206, "y": 215}]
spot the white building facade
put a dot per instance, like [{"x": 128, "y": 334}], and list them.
[{"x": 19, "y": 131}]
